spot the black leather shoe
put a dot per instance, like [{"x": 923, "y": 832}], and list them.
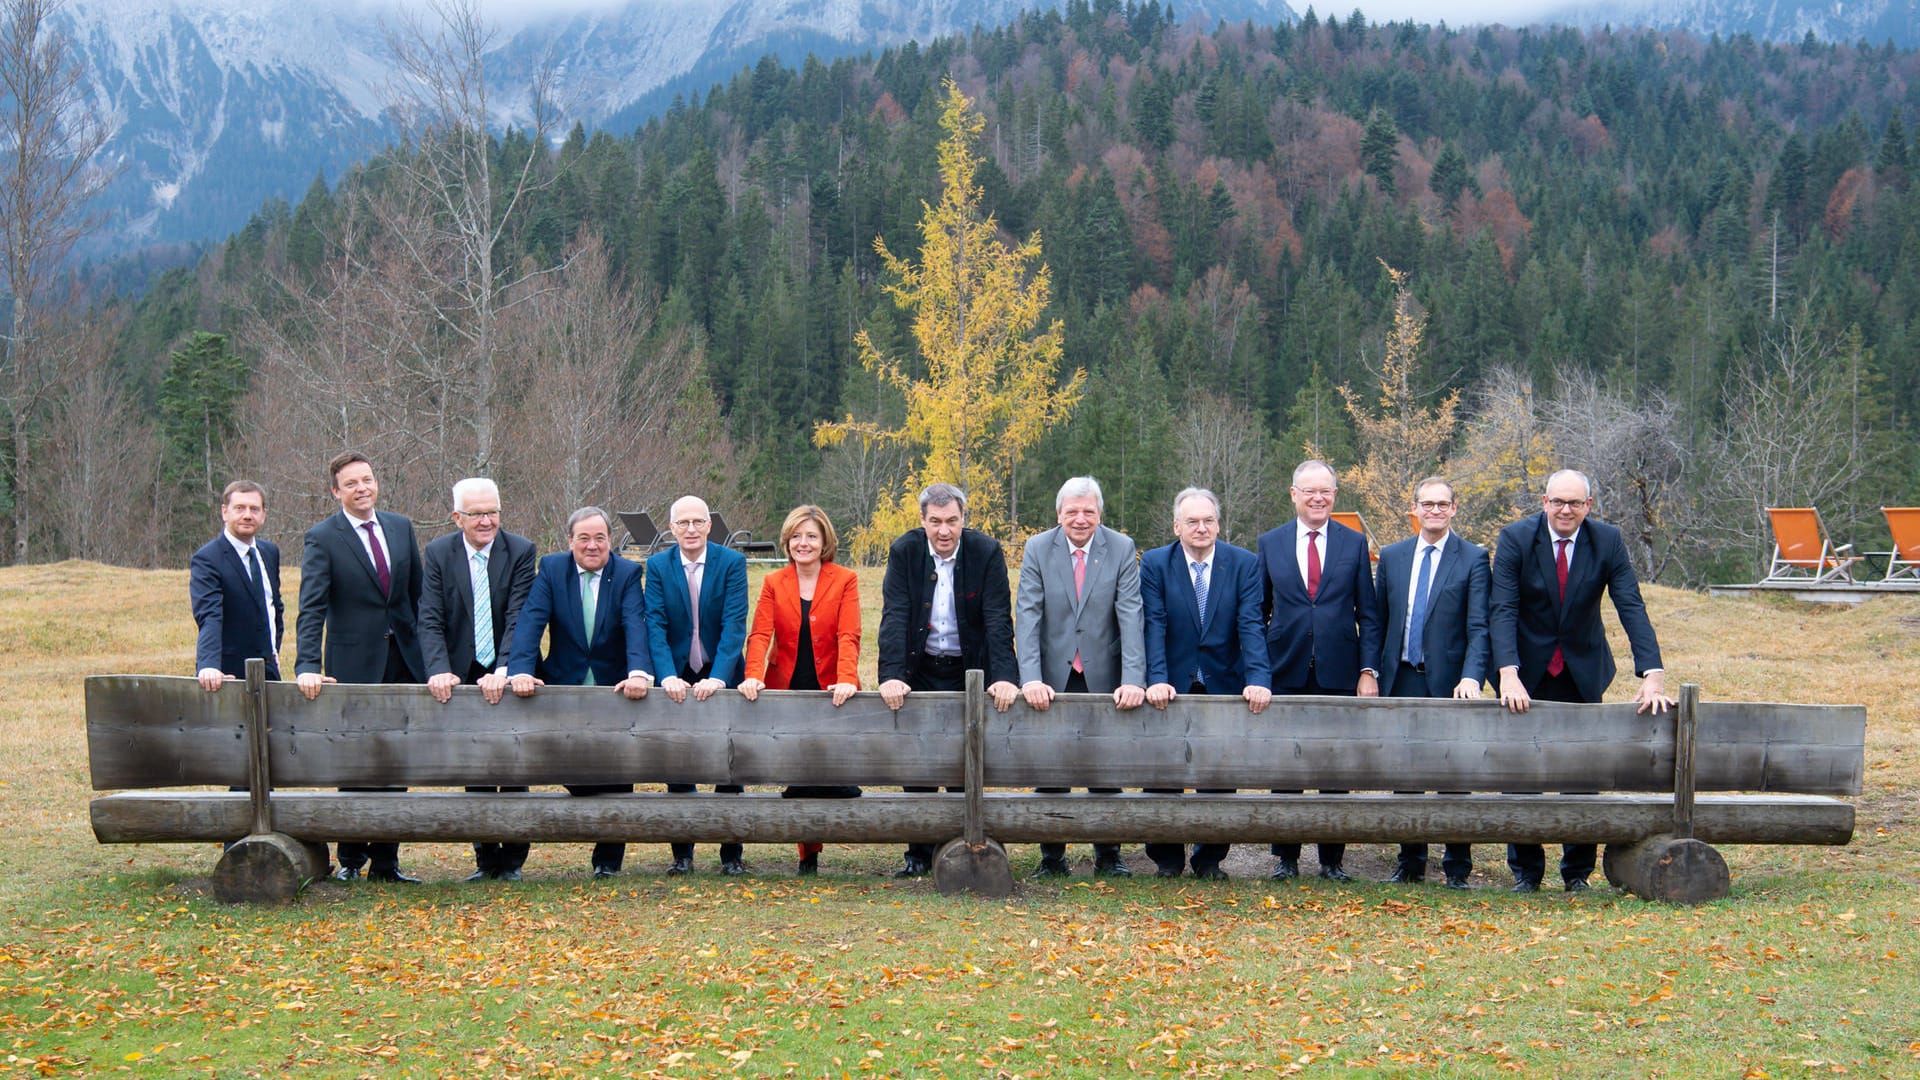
[
  {"x": 605, "y": 872},
  {"x": 680, "y": 866},
  {"x": 1052, "y": 866},
  {"x": 1404, "y": 875},
  {"x": 395, "y": 876},
  {"x": 346, "y": 873},
  {"x": 1578, "y": 884},
  {"x": 809, "y": 866},
  {"x": 1334, "y": 873},
  {"x": 1166, "y": 871},
  {"x": 1525, "y": 885},
  {"x": 1285, "y": 870},
  {"x": 1210, "y": 873},
  {"x": 1111, "y": 868},
  {"x": 912, "y": 866},
  {"x": 507, "y": 875},
  {"x": 732, "y": 868},
  {"x": 1458, "y": 881},
  {"x": 480, "y": 875}
]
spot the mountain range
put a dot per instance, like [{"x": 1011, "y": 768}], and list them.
[{"x": 220, "y": 105}]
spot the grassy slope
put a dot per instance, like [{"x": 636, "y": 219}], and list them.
[{"x": 111, "y": 957}]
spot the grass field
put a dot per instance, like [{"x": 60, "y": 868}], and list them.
[{"x": 113, "y": 959}]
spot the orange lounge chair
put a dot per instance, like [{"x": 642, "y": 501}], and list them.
[
  {"x": 1803, "y": 553},
  {"x": 1352, "y": 520},
  {"x": 1903, "y": 562}
]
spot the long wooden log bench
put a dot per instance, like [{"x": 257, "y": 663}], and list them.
[{"x": 1778, "y": 766}]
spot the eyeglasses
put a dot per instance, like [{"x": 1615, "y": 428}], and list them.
[
  {"x": 1433, "y": 507},
  {"x": 685, "y": 524},
  {"x": 480, "y": 515},
  {"x": 1567, "y": 504},
  {"x": 1200, "y": 523},
  {"x": 1314, "y": 493}
]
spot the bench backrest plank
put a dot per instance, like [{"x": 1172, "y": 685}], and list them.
[{"x": 160, "y": 731}]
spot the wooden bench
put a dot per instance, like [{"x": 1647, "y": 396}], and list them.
[{"x": 1781, "y": 766}]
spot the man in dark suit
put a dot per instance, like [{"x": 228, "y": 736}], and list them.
[
  {"x": 476, "y": 580},
  {"x": 945, "y": 608},
  {"x": 359, "y": 594},
  {"x": 592, "y": 608},
  {"x": 1547, "y": 639},
  {"x": 1079, "y": 628},
  {"x": 1432, "y": 593},
  {"x": 233, "y": 583},
  {"x": 1323, "y": 632},
  {"x": 1201, "y": 598},
  {"x": 697, "y": 631}
]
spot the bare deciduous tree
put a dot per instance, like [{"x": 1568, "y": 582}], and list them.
[
  {"x": 103, "y": 502},
  {"x": 1632, "y": 451},
  {"x": 49, "y": 138},
  {"x": 1222, "y": 444},
  {"x": 1505, "y": 455}
]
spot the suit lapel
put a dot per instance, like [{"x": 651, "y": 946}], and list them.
[
  {"x": 359, "y": 547},
  {"x": 1182, "y": 574},
  {"x": 576, "y": 614},
  {"x": 497, "y": 568}
]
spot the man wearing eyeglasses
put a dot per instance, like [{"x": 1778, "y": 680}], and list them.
[
  {"x": 474, "y": 583},
  {"x": 1201, "y": 597},
  {"x": 1431, "y": 590},
  {"x": 1323, "y": 633},
  {"x": 697, "y": 631},
  {"x": 1547, "y": 639}
]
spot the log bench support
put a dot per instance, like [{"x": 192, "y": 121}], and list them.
[{"x": 1770, "y": 769}]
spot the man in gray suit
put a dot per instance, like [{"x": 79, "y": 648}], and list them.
[{"x": 1079, "y": 629}]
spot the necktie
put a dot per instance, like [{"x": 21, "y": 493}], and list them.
[
  {"x": 1417, "y": 618},
  {"x": 696, "y": 654},
  {"x": 589, "y": 599},
  {"x": 1079, "y": 582},
  {"x": 1200, "y": 591},
  {"x": 482, "y": 611},
  {"x": 253, "y": 576},
  {"x": 1313, "y": 564},
  {"x": 379, "y": 560},
  {"x": 1558, "y": 662}
]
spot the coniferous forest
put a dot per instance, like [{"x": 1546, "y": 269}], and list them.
[{"x": 1690, "y": 267}]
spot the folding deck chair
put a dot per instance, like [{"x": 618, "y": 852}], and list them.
[
  {"x": 1802, "y": 552},
  {"x": 1903, "y": 562},
  {"x": 1352, "y": 520}
]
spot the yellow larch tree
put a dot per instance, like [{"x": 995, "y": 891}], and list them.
[
  {"x": 1400, "y": 440},
  {"x": 991, "y": 384}
]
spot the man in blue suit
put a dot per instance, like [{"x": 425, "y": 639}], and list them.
[
  {"x": 233, "y": 583},
  {"x": 1432, "y": 591},
  {"x": 1202, "y": 602},
  {"x": 592, "y": 608},
  {"x": 1323, "y": 631},
  {"x": 1545, "y": 631},
  {"x": 696, "y": 644}
]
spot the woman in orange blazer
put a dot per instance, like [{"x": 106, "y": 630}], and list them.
[{"x": 814, "y": 592}]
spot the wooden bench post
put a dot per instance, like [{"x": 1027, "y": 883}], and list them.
[
  {"x": 264, "y": 866},
  {"x": 974, "y": 863},
  {"x": 1674, "y": 867}
]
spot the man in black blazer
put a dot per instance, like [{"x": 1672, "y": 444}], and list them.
[
  {"x": 1201, "y": 601},
  {"x": 476, "y": 579},
  {"x": 1547, "y": 639},
  {"x": 1432, "y": 594},
  {"x": 1323, "y": 633},
  {"x": 233, "y": 583},
  {"x": 359, "y": 594},
  {"x": 592, "y": 609},
  {"x": 946, "y": 607}
]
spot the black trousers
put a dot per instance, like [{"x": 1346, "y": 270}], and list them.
[
  {"x": 1411, "y": 682},
  {"x": 1102, "y": 852},
  {"x": 729, "y": 853},
  {"x": 384, "y": 855},
  {"x": 1529, "y": 861},
  {"x": 1173, "y": 857},
  {"x": 1330, "y": 854},
  {"x": 934, "y": 673},
  {"x": 492, "y": 856}
]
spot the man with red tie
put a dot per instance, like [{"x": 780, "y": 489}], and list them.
[
  {"x": 360, "y": 587},
  {"x": 1323, "y": 629},
  {"x": 1547, "y": 639}
]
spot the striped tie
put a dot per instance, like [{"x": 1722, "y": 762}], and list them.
[{"x": 482, "y": 611}]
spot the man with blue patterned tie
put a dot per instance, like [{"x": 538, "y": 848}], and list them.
[
  {"x": 1432, "y": 593},
  {"x": 476, "y": 580}
]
